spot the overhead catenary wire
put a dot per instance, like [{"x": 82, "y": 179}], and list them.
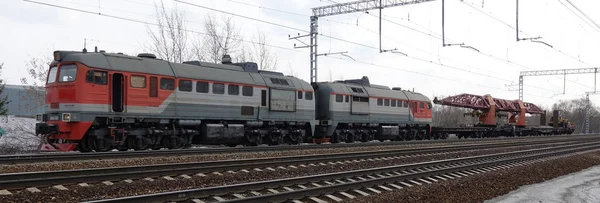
[
  {"x": 347, "y": 41},
  {"x": 246, "y": 41},
  {"x": 153, "y": 24},
  {"x": 512, "y": 27}
]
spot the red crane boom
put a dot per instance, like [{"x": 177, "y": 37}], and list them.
[{"x": 489, "y": 106}]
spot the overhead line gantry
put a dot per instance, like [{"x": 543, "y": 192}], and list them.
[{"x": 344, "y": 8}]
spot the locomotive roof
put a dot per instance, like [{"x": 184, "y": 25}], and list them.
[
  {"x": 194, "y": 70},
  {"x": 372, "y": 90}
]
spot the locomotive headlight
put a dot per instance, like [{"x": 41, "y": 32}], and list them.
[
  {"x": 57, "y": 56},
  {"x": 66, "y": 117}
]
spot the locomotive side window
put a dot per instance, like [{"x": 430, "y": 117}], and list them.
[
  {"x": 386, "y": 102},
  {"x": 202, "y": 87},
  {"x": 421, "y": 105},
  {"x": 393, "y": 103},
  {"x": 428, "y": 105},
  {"x": 137, "y": 81},
  {"x": 339, "y": 98},
  {"x": 96, "y": 77},
  {"x": 309, "y": 96},
  {"x": 233, "y": 89},
  {"x": 405, "y": 104},
  {"x": 218, "y": 88},
  {"x": 379, "y": 102},
  {"x": 167, "y": 84},
  {"x": 67, "y": 73},
  {"x": 347, "y": 98},
  {"x": 153, "y": 87},
  {"x": 52, "y": 75},
  {"x": 100, "y": 77},
  {"x": 185, "y": 85},
  {"x": 247, "y": 91},
  {"x": 300, "y": 95}
]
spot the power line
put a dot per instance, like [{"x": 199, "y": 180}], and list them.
[
  {"x": 595, "y": 26},
  {"x": 351, "y": 42},
  {"x": 339, "y": 39},
  {"x": 501, "y": 21},
  {"x": 425, "y": 74},
  {"x": 154, "y": 24},
  {"x": 512, "y": 27},
  {"x": 275, "y": 46}
]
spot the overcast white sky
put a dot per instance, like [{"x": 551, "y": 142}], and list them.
[{"x": 30, "y": 29}]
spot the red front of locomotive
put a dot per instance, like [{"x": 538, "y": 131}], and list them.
[{"x": 66, "y": 120}]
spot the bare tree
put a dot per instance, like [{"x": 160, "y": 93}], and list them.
[
  {"x": 37, "y": 72},
  {"x": 222, "y": 37},
  {"x": 448, "y": 116},
  {"x": 170, "y": 39},
  {"x": 20, "y": 137},
  {"x": 4, "y": 100},
  {"x": 292, "y": 72},
  {"x": 261, "y": 53}
]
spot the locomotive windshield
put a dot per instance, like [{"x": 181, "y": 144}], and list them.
[
  {"x": 52, "y": 75},
  {"x": 67, "y": 73}
]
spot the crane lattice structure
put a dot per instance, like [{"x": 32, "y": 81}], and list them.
[
  {"x": 564, "y": 73},
  {"x": 344, "y": 8}
]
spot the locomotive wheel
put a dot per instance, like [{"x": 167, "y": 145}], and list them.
[
  {"x": 293, "y": 138},
  {"x": 174, "y": 142},
  {"x": 140, "y": 144},
  {"x": 273, "y": 138},
  {"x": 83, "y": 145},
  {"x": 349, "y": 137},
  {"x": 335, "y": 138},
  {"x": 99, "y": 144},
  {"x": 122, "y": 148},
  {"x": 252, "y": 138},
  {"x": 366, "y": 137}
]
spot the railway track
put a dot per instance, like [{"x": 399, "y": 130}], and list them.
[
  {"x": 12, "y": 181},
  {"x": 349, "y": 184},
  {"x": 75, "y": 156}
]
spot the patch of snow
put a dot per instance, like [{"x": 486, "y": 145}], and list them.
[
  {"x": 582, "y": 186},
  {"x": 20, "y": 135}
]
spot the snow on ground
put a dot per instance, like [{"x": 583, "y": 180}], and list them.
[
  {"x": 578, "y": 187},
  {"x": 20, "y": 135}
]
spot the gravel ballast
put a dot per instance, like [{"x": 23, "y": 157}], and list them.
[
  {"x": 82, "y": 164},
  {"x": 120, "y": 189},
  {"x": 482, "y": 187}
]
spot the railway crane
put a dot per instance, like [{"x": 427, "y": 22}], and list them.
[{"x": 488, "y": 109}]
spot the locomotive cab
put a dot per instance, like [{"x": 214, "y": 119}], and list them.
[{"x": 71, "y": 89}]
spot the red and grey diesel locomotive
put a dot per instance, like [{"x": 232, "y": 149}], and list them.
[{"x": 98, "y": 101}]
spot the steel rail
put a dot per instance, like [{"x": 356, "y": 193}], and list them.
[
  {"x": 49, "y": 178},
  {"x": 76, "y": 156},
  {"x": 426, "y": 169}
]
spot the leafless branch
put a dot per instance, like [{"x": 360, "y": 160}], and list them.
[
  {"x": 37, "y": 72},
  {"x": 170, "y": 39},
  {"x": 223, "y": 37}
]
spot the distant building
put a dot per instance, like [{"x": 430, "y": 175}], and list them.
[{"x": 22, "y": 103}]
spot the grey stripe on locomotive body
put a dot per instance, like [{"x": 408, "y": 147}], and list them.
[{"x": 226, "y": 113}]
